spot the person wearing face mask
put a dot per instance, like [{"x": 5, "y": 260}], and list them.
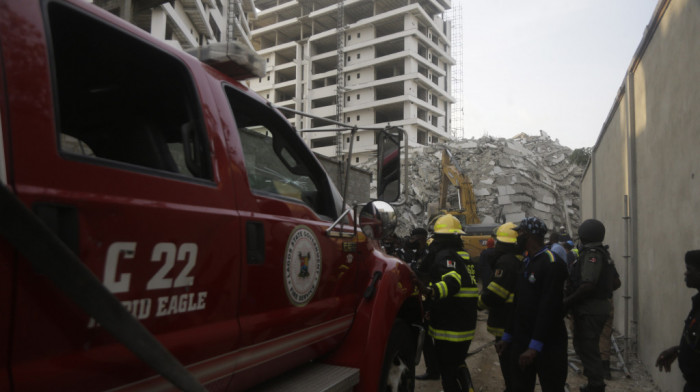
[
  {"x": 535, "y": 339},
  {"x": 498, "y": 295}
]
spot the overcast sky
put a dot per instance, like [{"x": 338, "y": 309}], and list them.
[{"x": 551, "y": 65}]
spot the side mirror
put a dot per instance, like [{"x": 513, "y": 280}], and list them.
[
  {"x": 389, "y": 165},
  {"x": 377, "y": 219}
]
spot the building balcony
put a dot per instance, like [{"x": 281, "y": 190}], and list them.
[
  {"x": 323, "y": 92},
  {"x": 282, "y": 26},
  {"x": 282, "y": 12},
  {"x": 180, "y": 30},
  {"x": 328, "y": 151},
  {"x": 195, "y": 11},
  {"x": 324, "y": 111}
]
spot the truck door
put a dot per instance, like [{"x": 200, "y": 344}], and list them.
[
  {"x": 109, "y": 147},
  {"x": 300, "y": 289},
  {"x": 6, "y": 253}
]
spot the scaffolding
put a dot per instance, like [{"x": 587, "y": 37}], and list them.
[
  {"x": 340, "y": 83},
  {"x": 454, "y": 16}
]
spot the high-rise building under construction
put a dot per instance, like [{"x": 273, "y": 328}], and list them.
[
  {"x": 361, "y": 62},
  {"x": 366, "y": 63}
]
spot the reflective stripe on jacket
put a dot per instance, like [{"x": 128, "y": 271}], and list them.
[
  {"x": 499, "y": 295},
  {"x": 453, "y": 314}
]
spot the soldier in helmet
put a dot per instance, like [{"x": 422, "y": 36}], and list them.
[
  {"x": 588, "y": 293},
  {"x": 452, "y": 299},
  {"x": 498, "y": 295}
]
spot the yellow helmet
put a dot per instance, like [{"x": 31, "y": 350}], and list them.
[
  {"x": 506, "y": 234},
  {"x": 447, "y": 224}
]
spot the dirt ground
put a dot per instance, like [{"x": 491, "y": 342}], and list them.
[{"x": 486, "y": 373}]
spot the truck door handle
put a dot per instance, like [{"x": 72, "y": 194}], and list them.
[
  {"x": 372, "y": 288},
  {"x": 255, "y": 242}
]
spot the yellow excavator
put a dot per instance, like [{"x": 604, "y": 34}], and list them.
[{"x": 477, "y": 233}]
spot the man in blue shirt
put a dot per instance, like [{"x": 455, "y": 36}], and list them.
[{"x": 536, "y": 337}]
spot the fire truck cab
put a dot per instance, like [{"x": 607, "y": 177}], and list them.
[{"x": 156, "y": 212}]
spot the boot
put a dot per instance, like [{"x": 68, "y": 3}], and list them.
[
  {"x": 464, "y": 378},
  {"x": 606, "y": 370}
]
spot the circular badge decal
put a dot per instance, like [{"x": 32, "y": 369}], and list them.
[{"x": 302, "y": 266}]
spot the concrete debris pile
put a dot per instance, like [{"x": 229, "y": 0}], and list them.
[{"x": 512, "y": 178}]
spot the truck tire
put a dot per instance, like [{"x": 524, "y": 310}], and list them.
[{"x": 399, "y": 370}]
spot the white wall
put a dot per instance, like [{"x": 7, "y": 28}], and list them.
[{"x": 648, "y": 152}]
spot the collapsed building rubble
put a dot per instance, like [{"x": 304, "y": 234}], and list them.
[{"x": 512, "y": 178}]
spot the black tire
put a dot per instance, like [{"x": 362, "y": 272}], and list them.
[{"x": 400, "y": 347}]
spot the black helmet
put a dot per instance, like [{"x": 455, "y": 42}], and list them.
[{"x": 591, "y": 230}]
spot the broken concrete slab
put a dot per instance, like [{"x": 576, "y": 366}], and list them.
[{"x": 516, "y": 177}]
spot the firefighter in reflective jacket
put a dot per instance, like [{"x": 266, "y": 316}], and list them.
[
  {"x": 497, "y": 297},
  {"x": 452, "y": 302}
]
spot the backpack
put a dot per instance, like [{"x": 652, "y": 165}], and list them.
[
  {"x": 609, "y": 279},
  {"x": 612, "y": 276},
  {"x": 609, "y": 276}
]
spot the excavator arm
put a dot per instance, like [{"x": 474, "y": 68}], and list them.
[{"x": 450, "y": 174}]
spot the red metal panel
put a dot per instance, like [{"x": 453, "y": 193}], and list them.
[{"x": 167, "y": 248}]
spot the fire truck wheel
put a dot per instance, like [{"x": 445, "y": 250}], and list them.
[{"x": 398, "y": 371}]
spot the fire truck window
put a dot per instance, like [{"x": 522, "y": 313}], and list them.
[
  {"x": 274, "y": 163},
  {"x": 122, "y": 102}
]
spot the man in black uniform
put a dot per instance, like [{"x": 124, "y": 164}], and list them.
[
  {"x": 588, "y": 293},
  {"x": 536, "y": 336},
  {"x": 416, "y": 246},
  {"x": 688, "y": 352},
  {"x": 498, "y": 296},
  {"x": 453, "y": 295},
  {"x": 487, "y": 259},
  {"x": 415, "y": 252}
]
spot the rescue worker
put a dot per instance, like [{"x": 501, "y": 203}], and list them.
[
  {"x": 498, "y": 296},
  {"x": 536, "y": 337},
  {"x": 556, "y": 247},
  {"x": 605, "y": 344},
  {"x": 416, "y": 251},
  {"x": 487, "y": 259},
  {"x": 576, "y": 251},
  {"x": 571, "y": 253},
  {"x": 452, "y": 299},
  {"x": 587, "y": 298},
  {"x": 393, "y": 245},
  {"x": 688, "y": 351},
  {"x": 416, "y": 246}
]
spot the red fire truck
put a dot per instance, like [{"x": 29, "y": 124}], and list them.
[{"x": 164, "y": 227}]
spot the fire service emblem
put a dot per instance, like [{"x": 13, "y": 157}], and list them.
[{"x": 302, "y": 266}]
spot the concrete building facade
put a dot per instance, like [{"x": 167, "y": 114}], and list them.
[
  {"x": 643, "y": 182},
  {"x": 187, "y": 24},
  {"x": 366, "y": 64}
]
